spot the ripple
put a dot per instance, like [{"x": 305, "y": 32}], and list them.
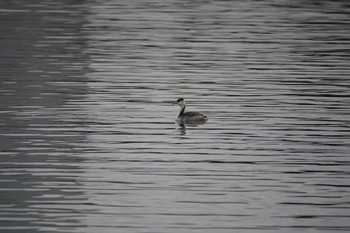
[{"x": 88, "y": 135}]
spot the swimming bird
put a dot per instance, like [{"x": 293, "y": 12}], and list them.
[{"x": 189, "y": 117}]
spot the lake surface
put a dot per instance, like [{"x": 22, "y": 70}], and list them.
[{"x": 88, "y": 138}]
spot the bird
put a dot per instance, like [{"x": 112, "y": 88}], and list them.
[{"x": 189, "y": 117}]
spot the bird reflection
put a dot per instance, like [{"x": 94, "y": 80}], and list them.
[{"x": 181, "y": 127}]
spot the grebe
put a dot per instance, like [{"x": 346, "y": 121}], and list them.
[{"x": 189, "y": 117}]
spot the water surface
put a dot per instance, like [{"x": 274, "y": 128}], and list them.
[{"x": 88, "y": 138}]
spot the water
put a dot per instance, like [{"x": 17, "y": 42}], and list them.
[{"x": 88, "y": 139}]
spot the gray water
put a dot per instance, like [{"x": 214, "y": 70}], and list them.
[{"x": 88, "y": 138}]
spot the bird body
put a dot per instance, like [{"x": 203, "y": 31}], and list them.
[{"x": 189, "y": 117}]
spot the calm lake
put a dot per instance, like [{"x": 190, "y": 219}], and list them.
[{"x": 88, "y": 136}]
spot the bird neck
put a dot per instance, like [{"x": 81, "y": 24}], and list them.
[{"x": 182, "y": 111}]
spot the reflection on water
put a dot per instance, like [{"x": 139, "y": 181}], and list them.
[
  {"x": 88, "y": 139},
  {"x": 43, "y": 71},
  {"x": 181, "y": 127}
]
